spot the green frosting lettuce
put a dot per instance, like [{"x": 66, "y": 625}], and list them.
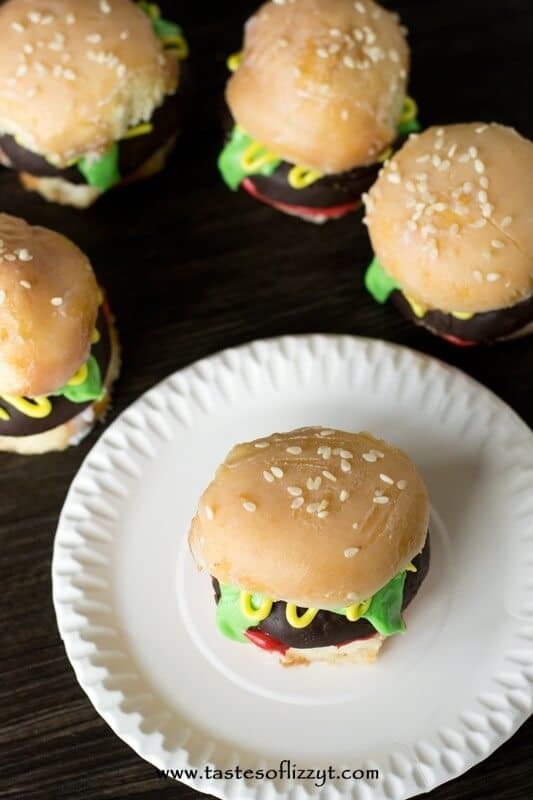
[
  {"x": 229, "y": 161},
  {"x": 102, "y": 172},
  {"x": 90, "y": 390},
  {"x": 230, "y": 619},
  {"x": 410, "y": 126},
  {"x": 162, "y": 27},
  {"x": 384, "y": 612},
  {"x": 378, "y": 283}
]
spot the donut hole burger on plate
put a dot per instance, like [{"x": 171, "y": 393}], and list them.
[
  {"x": 450, "y": 219},
  {"x": 317, "y": 100},
  {"x": 90, "y": 94},
  {"x": 316, "y": 540},
  {"x": 59, "y": 352}
]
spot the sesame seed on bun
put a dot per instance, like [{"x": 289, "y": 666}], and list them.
[
  {"x": 75, "y": 75},
  {"x": 451, "y": 218},
  {"x": 316, "y": 517},
  {"x": 48, "y": 308},
  {"x": 321, "y": 83}
]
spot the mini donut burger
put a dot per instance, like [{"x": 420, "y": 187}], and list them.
[
  {"x": 317, "y": 101},
  {"x": 451, "y": 223},
  {"x": 316, "y": 540},
  {"x": 59, "y": 352},
  {"x": 90, "y": 94}
]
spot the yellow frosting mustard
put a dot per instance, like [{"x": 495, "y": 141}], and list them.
[
  {"x": 4, "y": 416},
  {"x": 139, "y": 130},
  {"x": 356, "y": 611},
  {"x": 36, "y": 407},
  {"x": 256, "y": 156},
  {"x": 79, "y": 377},
  {"x": 296, "y": 621},
  {"x": 419, "y": 309},
  {"x": 233, "y": 61},
  {"x": 254, "y": 614},
  {"x": 301, "y": 177}
]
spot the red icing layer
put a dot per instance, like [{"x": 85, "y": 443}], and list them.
[
  {"x": 302, "y": 211},
  {"x": 265, "y": 641},
  {"x": 458, "y": 342}
]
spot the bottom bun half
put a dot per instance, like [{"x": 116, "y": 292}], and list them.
[{"x": 362, "y": 651}]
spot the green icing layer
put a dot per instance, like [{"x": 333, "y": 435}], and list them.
[
  {"x": 379, "y": 283},
  {"x": 229, "y": 161},
  {"x": 411, "y": 126},
  {"x": 384, "y": 612},
  {"x": 101, "y": 172},
  {"x": 91, "y": 389},
  {"x": 162, "y": 27}
]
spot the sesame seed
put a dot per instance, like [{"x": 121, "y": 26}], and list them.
[
  {"x": 355, "y": 525},
  {"x": 393, "y": 177},
  {"x": 24, "y": 255},
  {"x": 497, "y": 244},
  {"x": 124, "y": 35},
  {"x": 401, "y": 484},
  {"x": 423, "y": 159},
  {"x": 327, "y": 432},
  {"x": 25, "y": 284},
  {"x": 482, "y": 196},
  {"x": 70, "y": 19},
  {"x": 452, "y": 151},
  {"x": 18, "y": 27},
  {"x": 479, "y": 223},
  {"x": 105, "y": 8},
  {"x": 360, "y": 7},
  {"x": 348, "y": 61},
  {"x": 325, "y": 452},
  {"x": 209, "y": 513},
  {"x": 56, "y": 301},
  {"x": 69, "y": 75},
  {"x": 323, "y": 514},
  {"x": 249, "y": 506},
  {"x": 477, "y": 275},
  {"x": 262, "y": 444},
  {"x": 297, "y": 502},
  {"x": 312, "y": 508},
  {"x": 484, "y": 182},
  {"x": 345, "y": 466},
  {"x": 472, "y": 152},
  {"x": 464, "y": 158},
  {"x": 381, "y": 500},
  {"x": 350, "y": 552},
  {"x": 295, "y": 491},
  {"x": 487, "y": 210},
  {"x": 294, "y": 451},
  {"x": 386, "y": 478},
  {"x": 481, "y": 128},
  {"x": 344, "y": 495},
  {"x": 314, "y": 483},
  {"x": 492, "y": 277},
  {"x": 345, "y": 114},
  {"x": 467, "y": 187},
  {"x": 10, "y": 257},
  {"x": 277, "y": 472},
  {"x": 2, "y": 296},
  {"x": 506, "y": 221},
  {"x": 479, "y": 166},
  {"x": 322, "y": 52},
  {"x": 436, "y": 160},
  {"x": 329, "y": 475},
  {"x": 94, "y": 38},
  {"x": 346, "y": 454},
  {"x": 370, "y": 457}
]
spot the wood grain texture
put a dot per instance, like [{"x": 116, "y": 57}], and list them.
[{"x": 191, "y": 269}]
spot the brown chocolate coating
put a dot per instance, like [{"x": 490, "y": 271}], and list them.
[
  {"x": 62, "y": 409},
  {"x": 329, "y": 628},
  {"x": 482, "y": 328}
]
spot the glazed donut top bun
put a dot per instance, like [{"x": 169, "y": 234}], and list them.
[
  {"x": 48, "y": 308},
  {"x": 321, "y": 83},
  {"x": 75, "y": 74},
  {"x": 451, "y": 217},
  {"x": 316, "y": 517}
]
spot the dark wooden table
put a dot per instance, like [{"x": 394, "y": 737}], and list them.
[{"x": 191, "y": 269}]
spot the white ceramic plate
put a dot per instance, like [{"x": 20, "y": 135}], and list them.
[{"x": 138, "y": 620}]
